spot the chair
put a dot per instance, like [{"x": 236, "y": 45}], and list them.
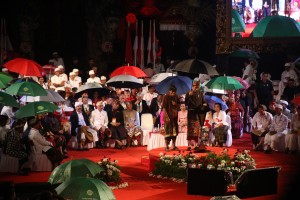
[
  {"x": 40, "y": 162},
  {"x": 8, "y": 163},
  {"x": 146, "y": 126}
]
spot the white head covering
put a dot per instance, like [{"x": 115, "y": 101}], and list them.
[
  {"x": 284, "y": 102},
  {"x": 279, "y": 106},
  {"x": 103, "y": 78},
  {"x": 57, "y": 69},
  {"x": 60, "y": 67},
  {"x": 75, "y": 70},
  {"x": 71, "y": 74},
  {"x": 78, "y": 103},
  {"x": 91, "y": 72}
]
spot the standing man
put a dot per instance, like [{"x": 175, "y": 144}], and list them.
[
  {"x": 264, "y": 90},
  {"x": 194, "y": 101},
  {"x": 170, "y": 108}
]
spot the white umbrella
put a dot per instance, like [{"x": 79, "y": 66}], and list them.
[
  {"x": 125, "y": 81},
  {"x": 52, "y": 96},
  {"x": 157, "y": 78}
]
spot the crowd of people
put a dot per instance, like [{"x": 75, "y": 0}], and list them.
[{"x": 93, "y": 119}]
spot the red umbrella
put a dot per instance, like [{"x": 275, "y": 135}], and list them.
[
  {"x": 296, "y": 100},
  {"x": 244, "y": 83},
  {"x": 129, "y": 70},
  {"x": 25, "y": 67}
]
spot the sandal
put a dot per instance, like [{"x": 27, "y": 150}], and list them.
[
  {"x": 175, "y": 148},
  {"x": 189, "y": 149},
  {"x": 167, "y": 149}
]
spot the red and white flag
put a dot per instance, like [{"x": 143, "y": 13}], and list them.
[
  {"x": 136, "y": 43},
  {"x": 151, "y": 44},
  {"x": 128, "y": 50},
  {"x": 140, "y": 52}
]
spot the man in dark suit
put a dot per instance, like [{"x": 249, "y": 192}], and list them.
[
  {"x": 80, "y": 127},
  {"x": 86, "y": 107},
  {"x": 140, "y": 105},
  {"x": 116, "y": 124}
]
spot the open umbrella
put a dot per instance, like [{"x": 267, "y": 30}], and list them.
[
  {"x": 212, "y": 100},
  {"x": 85, "y": 188},
  {"x": 90, "y": 88},
  {"x": 244, "y": 53},
  {"x": 4, "y": 80},
  {"x": 125, "y": 81},
  {"x": 52, "y": 96},
  {"x": 8, "y": 100},
  {"x": 26, "y": 88},
  {"x": 196, "y": 66},
  {"x": 237, "y": 23},
  {"x": 25, "y": 66},
  {"x": 35, "y": 108},
  {"x": 242, "y": 81},
  {"x": 296, "y": 100},
  {"x": 224, "y": 83},
  {"x": 182, "y": 83},
  {"x": 128, "y": 70},
  {"x": 276, "y": 26},
  {"x": 74, "y": 168},
  {"x": 157, "y": 78}
]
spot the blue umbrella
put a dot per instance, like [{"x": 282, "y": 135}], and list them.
[
  {"x": 182, "y": 83},
  {"x": 212, "y": 100}
]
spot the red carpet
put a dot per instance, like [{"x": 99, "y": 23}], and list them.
[{"x": 135, "y": 165}]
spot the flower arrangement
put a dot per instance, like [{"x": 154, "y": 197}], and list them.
[
  {"x": 111, "y": 174},
  {"x": 174, "y": 167}
]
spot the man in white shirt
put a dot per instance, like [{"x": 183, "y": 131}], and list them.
[
  {"x": 57, "y": 81},
  {"x": 248, "y": 73},
  {"x": 93, "y": 78},
  {"x": 278, "y": 130},
  {"x": 99, "y": 122},
  {"x": 62, "y": 73},
  {"x": 76, "y": 71},
  {"x": 148, "y": 96},
  {"x": 74, "y": 81},
  {"x": 260, "y": 126},
  {"x": 103, "y": 81},
  {"x": 42, "y": 145}
]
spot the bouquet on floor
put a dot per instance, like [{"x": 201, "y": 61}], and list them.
[
  {"x": 111, "y": 174},
  {"x": 174, "y": 167}
]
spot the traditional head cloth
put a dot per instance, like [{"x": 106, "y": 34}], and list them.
[
  {"x": 75, "y": 70},
  {"x": 78, "y": 103},
  {"x": 279, "y": 106},
  {"x": 71, "y": 74},
  {"x": 102, "y": 78},
  {"x": 91, "y": 72},
  {"x": 57, "y": 69}
]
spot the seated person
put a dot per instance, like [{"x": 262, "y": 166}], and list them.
[
  {"x": 260, "y": 127},
  {"x": 13, "y": 146},
  {"x": 220, "y": 126},
  {"x": 99, "y": 122},
  {"x": 292, "y": 138},
  {"x": 132, "y": 125},
  {"x": 278, "y": 129},
  {"x": 42, "y": 145},
  {"x": 80, "y": 127},
  {"x": 116, "y": 124}
]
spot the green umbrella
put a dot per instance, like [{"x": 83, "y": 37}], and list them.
[
  {"x": 74, "y": 168},
  {"x": 85, "y": 188},
  {"x": 238, "y": 24},
  {"x": 276, "y": 26},
  {"x": 224, "y": 83},
  {"x": 8, "y": 100},
  {"x": 26, "y": 88},
  {"x": 35, "y": 108},
  {"x": 4, "y": 80},
  {"x": 244, "y": 53}
]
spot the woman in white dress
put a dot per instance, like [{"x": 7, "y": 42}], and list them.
[{"x": 220, "y": 126}]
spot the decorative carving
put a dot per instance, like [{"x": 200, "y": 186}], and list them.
[{"x": 225, "y": 43}]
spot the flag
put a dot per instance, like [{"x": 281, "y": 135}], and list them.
[
  {"x": 151, "y": 44},
  {"x": 136, "y": 43},
  {"x": 128, "y": 50},
  {"x": 140, "y": 52}
]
